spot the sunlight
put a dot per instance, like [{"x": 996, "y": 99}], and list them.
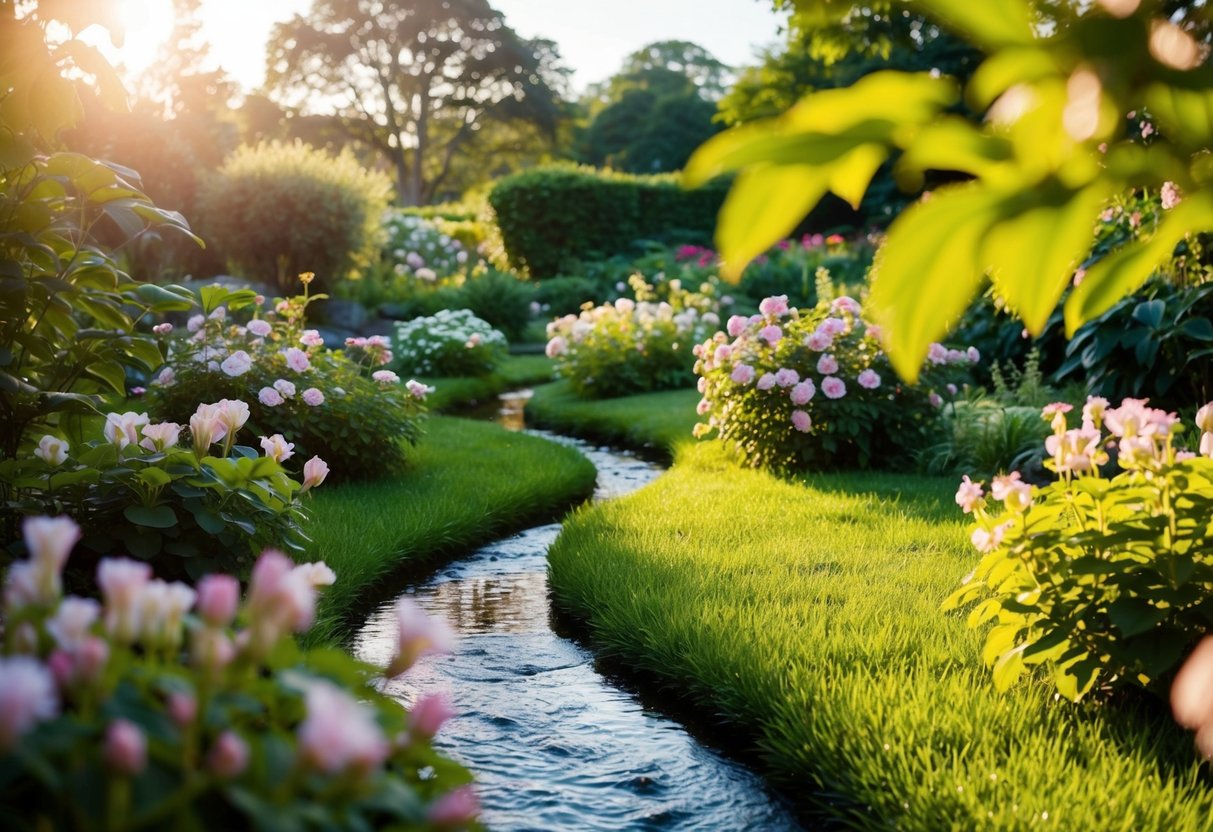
[{"x": 148, "y": 24}]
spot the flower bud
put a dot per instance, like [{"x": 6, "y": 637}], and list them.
[{"x": 125, "y": 747}]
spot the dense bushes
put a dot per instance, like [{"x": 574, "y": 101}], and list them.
[
  {"x": 551, "y": 217},
  {"x": 280, "y": 209},
  {"x": 450, "y": 343}
]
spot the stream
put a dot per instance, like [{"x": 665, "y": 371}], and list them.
[{"x": 553, "y": 742}]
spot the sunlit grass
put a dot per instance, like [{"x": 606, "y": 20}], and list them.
[
  {"x": 653, "y": 422},
  {"x": 516, "y": 371},
  {"x": 469, "y": 483},
  {"x": 808, "y": 613}
]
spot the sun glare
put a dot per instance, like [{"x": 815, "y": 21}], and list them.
[{"x": 148, "y": 24}]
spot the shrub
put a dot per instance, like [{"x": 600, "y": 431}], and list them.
[
  {"x": 417, "y": 247},
  {"x": 550, "y": 218},
  {"x": 565, "y": 295},
  {"x": 791, "y": 268},
  {"x": 499, "y": 298},
  {"x": 449, "y": 343},
  {"x": 346, "y": 407},
  {"x": 141, "y": 712},
  {"x": 1106, "y": 580},
  {"x": 632, "y": 346},
  {"x": 815, "y": 390},
  {"x": 981, "y": 436},
  {"x": 278, "y": 209},
  {"x": 190, "y": 509}
]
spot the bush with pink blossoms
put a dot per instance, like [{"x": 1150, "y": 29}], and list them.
[
  {"x": 632, "y": 346},
  {"x": 328, "y": 403},
  {"x": 1102, "y": 579},
  {"x": 791, "y": 390},
  {"x": 170, "y": 706}
]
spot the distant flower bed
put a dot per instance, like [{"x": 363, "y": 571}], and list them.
[
  {"x": 418, "y": 248},
  {"x": 632, "y": 346},
  {"x": 166, "y": 704},
  {"x": 453, "y": 342},
  {"x": 790, "y": 389},
  {"x": 346, "y": 407}
]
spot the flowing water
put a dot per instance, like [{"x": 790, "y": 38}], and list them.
[{"x": 553, "y": 742}]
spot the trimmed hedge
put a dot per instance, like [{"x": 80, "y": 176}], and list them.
[{"x": 552, "y": 217}]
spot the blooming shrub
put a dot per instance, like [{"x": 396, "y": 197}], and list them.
[
  {"x": 416, "y": 247},
  {"x": 143, "y": 488},
  {"x": 343, "y": 406},
  {"x": 814, "y": 390},
  {"x": 171, "y": 706},
  {"x": 452, "y": 342},
  {"x": 632, "y": 346},
  {"x": 1107, "y": 580}
]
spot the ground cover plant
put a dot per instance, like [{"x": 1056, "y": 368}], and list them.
[
  {"x": 469, "y": 483},
  {"x": 807, "y": 612},
  {"x": 452, "y": 342}
]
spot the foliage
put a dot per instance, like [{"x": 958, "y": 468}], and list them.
[
  {"x": 417, "y": 82},
  {"x": 565, "y": 295},
  {"x": 788, "y": 390},
  {"x": 141, "y": 713},
  {"x": 806, "y": 614},
  {"x": 1104, "y": 580},
  {"x": 280, "y": 209},
  {"x": 1153, "y": 344},
  {"x": 1044, "y": 163},
  {"x": 344, "y": 406},
  {"x": 552, "y": 217},
  {"x": 416, "y": 246},
  {"x": 137, "y": 491},
  {"x": 452, "y": 342},
  {"x": 983, "y": 437},
  {"x": 498, "y": 298},
  {"x": 68, "y": 314},
  {"x": 632, "y": 346}
]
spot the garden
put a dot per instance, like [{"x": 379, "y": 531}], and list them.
[{"x": 423, "y": 437}]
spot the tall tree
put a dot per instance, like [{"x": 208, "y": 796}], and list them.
[{"x": 417, "y": 81}]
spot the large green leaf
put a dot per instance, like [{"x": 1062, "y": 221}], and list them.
[
  {"x": 154, "y": 517},
  {"x": 990, "y": 23}
]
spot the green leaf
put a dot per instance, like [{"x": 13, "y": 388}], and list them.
[
  {"x": 1150, "y": 312},
  {"x": 1134, "y": 616},
  {"x": 990, "y": 23},
  {"x": 110, "y": 372},
  {"x": 1007, "y": 669},
  {"x": 166, "y": 298},
  {"x": 764, "y": 205},
  {"x": 155, "y": 477},
  {"x": 155, "y": 517}
]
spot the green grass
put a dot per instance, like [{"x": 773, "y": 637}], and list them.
[
  {"x": 515, "y": 371},
  {"x": 469, "y": 483},
  {"x": 807, "y": 613},
  {"x": 652, "y": 422}
]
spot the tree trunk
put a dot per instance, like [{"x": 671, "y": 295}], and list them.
[{"x": 423, "y": 140}]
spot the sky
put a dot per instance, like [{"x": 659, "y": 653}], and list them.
[{"x": 594, "y": 35}]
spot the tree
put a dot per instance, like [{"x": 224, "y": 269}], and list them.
[{"x": 417, "y": 81}]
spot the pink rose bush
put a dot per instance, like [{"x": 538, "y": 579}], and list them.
[
  {"x": 326, "y": 402},
  {"x": 790, "y": 390},
  {"x": 633, "y": 346},
  {"x": 1105, "y": 576},
  {"x": 170, "y": 701}
]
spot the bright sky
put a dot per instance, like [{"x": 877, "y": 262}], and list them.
[{"x": 594, "y": 35}]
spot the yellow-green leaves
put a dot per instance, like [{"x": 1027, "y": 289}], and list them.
[
  {"x": 990, "y": 23},
  {"x": 832, "y": 141}
]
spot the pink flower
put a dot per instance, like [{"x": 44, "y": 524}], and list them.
[
  {"x": 417, "y": 634},
  {"x": 125, "y": 747},
  {"x": 935, "y": 400},
  {"x": 122, "y": 429},
  {"x": 1093, "y": 411},
  {"x": 232, "y": 413},
  {"x": 771, "y": 334},
  {"x": 312, "y": 397},
  {"x": 166, "y": 378},
  {"x": 973, "y": 354},
  {"x": 195, "y": 322},
  {"x": 765, "y": 382},
  {"x": 802, "y": 393},
  {"x": 269, "y": 397},
  {"x": 819, "y": 341},
  {"x": 833, "y": 387},
  {"x": 736, "y": 325},
  {"x": 162, "y": 607},
  {"x": 873, "y": 332},
  {"x": 937, "y": 354},
  {"x": 870, "y": 380},
  {"x": 285, "y": 388},
  {"x": 339, "y": 733},
  {"x": 969, "y": 495},
  {"x": 429, "y": 713},
  {"x": 229, "y": 756},
  {"x": 277, "y": 448},
  {"x": 1135, "y": 219},
  {"x": 49, "y": 541},
  {"x": 27, "y": 697},
  {"x": 311, "y": 338},
  {"x": 455, "y": 808},
  {"x": 218, "y": 597},
  {"x": 722, "y": 353},
  {"x": 785, "y": 377},
  {"x": 556, "y": 347},
  {"x": 832, "y": 327},
  {"x": 260, "y": 328},
  {"x": 774, "y": 307},
  {"x": 237, "y": 364},
  {"x": 418, "y": 390},
  {"x": 1076, "y": 451},
  {"x": 385, "y": 377},
  {"x": 703, "y": 407},
  {"x": 1013, "y": 491},
  {"x": 827, "y": 365},
  {"x": 52, "y": 450},
  {"x": 72, "y": 622},
  {"x": 280, "y": 600},
  {"x": 1171, "y": 195},
  {"x": 122, "y": 582},
  {"x": 206, "y": 428},
  {"x": 742, "y": 374},
  {"x": 314, "y": 472},
  {"x": 160, "y": 437},
  {"x": 801, "y": 421},
  {"x": 297, "y": 359},
  {"x": 845, "y": 304},
  {"x": 1051, "y": 410},
  {"x": 182, "y": 708},
  {"x": 162, "y": 329},
  {"x": 1147, "y": 129}
]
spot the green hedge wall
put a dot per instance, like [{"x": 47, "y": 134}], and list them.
[{"x": 550, "y": 218}]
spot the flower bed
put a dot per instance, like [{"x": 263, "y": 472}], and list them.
[{"x": 452, "y": 342}]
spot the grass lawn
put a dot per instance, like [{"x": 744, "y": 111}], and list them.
[
  {"x": 807, "y": 613},
  {"x": 650, "y": 422},
  {"x": 469, "y": 483},
  {"x": 515, "y": 371}
]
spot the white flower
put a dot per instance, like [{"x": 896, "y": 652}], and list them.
[
  {"x": 27, "y": 697},
  {"x": 52, "y": 450}
]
